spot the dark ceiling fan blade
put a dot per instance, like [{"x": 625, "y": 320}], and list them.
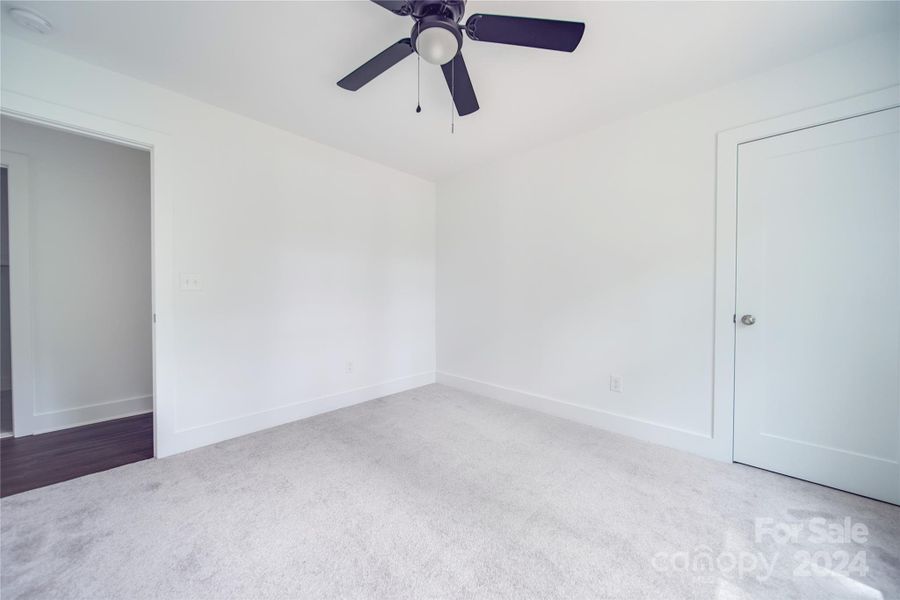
[
  {"x": 522, "y": 31},
  {"x": 398, "y": 7},
  {"x": 377, "y": 65},
  {"x": 457, "y": 76}
]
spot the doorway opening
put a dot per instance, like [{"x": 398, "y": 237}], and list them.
[
  {"x": 6, "y": 424},
  {"x": 77, "y": 306}
]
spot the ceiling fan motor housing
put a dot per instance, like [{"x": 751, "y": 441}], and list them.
[{"x": 449, "y": 9}]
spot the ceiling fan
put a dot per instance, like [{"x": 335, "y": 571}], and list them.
[{"x": 437, "y": 37}]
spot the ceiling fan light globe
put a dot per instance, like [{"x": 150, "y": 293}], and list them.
[{"x": 437, "y": 45}]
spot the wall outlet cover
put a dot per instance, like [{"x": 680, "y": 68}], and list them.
[{"x": 616, "y": 384}]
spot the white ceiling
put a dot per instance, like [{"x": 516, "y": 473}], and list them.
[{"x": 278, "y": 62}]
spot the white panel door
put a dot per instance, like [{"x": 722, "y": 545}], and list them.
[{"x": 817, "y": 375}]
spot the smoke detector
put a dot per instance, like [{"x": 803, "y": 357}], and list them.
[{"x": 30, "y": 20}]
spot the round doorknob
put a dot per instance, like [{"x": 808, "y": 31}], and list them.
[{"x": 748, "y": 319}]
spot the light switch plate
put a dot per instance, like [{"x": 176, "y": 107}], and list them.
[{"x": 190, "y": 282}]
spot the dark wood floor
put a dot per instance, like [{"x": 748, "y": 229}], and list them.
[{"x": 37, "y": 460}]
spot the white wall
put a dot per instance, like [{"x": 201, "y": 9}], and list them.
[
  {"x": 595, "y": 256},
  {"x": 557, "y": 267},
  {"x": 90, "y": 275},
  {"x": 308, "y": 257}
]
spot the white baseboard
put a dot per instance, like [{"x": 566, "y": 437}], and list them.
[
  {"x": 204, "y": 435},
  {"x": 648, "y": 431},
  {"x": 94, "y": 413}
]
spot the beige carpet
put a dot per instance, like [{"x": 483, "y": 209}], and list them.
[{"x": 436, "y": 493}]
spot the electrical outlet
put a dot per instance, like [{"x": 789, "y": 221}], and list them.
[
  {"x": 348, "y": 368},
  {"x": 616, "y": 384},
  {"x": 190, "y": 282}
]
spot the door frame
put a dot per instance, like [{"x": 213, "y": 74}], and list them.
[
  {"x": 162, "y": 156},
  {"x": 727, "y": 143},
  {"x": 21, "y": 324}
]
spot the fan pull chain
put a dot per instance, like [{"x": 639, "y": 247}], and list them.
[
  {"x": 452, "y": 95},
  {"x": 418, "y": 74},
  {"x": 418, "y": 83}
]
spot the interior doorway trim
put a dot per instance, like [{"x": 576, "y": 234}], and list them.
[
  {"x": 727, "y": 143},
  {"x": 20, "y": 299},
  {"x": 161, "y": 149}
]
